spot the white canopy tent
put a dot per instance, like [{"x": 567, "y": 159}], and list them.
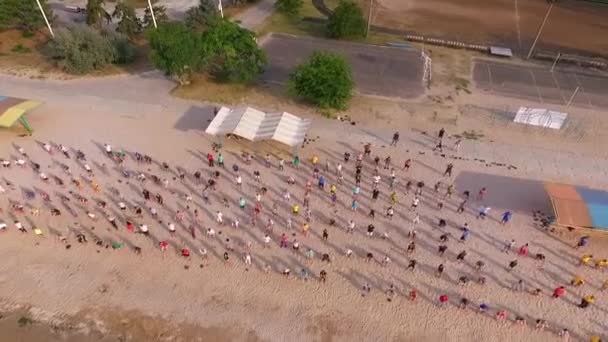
[{"x": 256, "y": 125}]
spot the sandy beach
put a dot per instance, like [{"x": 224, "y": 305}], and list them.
[{"x": 164, "y": 296}]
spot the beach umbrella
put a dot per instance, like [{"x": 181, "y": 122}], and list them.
[{"x": 13, "y": 109}]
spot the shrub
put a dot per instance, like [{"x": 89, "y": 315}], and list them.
[
  {"x": 124, "y": 51},
  {"x": 19, "y": 48},
  {"x": 81, "y": 49},
  {"x": 129, "y": 23},
  {"x": 347, "y": 21},
  {"x": 289, "y": 7},
  {"x": 325, "y": 80},
  {"x": 23, "y": 15}
]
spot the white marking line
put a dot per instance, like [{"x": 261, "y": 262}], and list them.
[
  {"x": 582, "y": 90},
  {"x": 517, "y": 23},
  {"x": 561, "y": 94},
  {"x": 490, "y": 78}
]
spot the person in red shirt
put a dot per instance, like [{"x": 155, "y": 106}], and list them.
[
  {"x": 559, "y": 291},
  {"x": 413, "y": 295},
  {"x": 523, "y": 251},
  {"x": 443, "y": 299},
  {"x": 210, "y": 159},
  {"x": 130, "y": 226}
]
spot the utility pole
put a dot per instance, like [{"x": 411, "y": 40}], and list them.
[
  {"x": 540, "y": 29},
  {"x": 45, "y": 19},
  {"x": 369, "y": 17},
  {"x": 559, "y": 55},
  {"x": 152, "y": 12},
  {"x": 221, "y": 8}
]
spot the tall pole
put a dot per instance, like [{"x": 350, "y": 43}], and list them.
[
  {"x": 221, "y": 8},
  {"x": 152, "y": 12},
  {"x": 573, "y": 96},
  {"x": 369, "y": 17},
  {"x": 45, "y": 19},
  {"x": 540, "y": 29},
  {"x": 559, "y": 55}
]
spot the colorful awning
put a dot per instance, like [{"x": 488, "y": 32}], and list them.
[
  {"x": 579, "y": 206},
  {"x": 12, "y": 110}
]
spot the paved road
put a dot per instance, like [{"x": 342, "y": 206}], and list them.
[
  {"x": 540, "y": 85},
  {"x": 377, "y": 70},
  {"x": 255, "y": 15}
]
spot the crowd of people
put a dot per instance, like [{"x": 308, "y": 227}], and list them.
[{"x": 190, "y": 211}]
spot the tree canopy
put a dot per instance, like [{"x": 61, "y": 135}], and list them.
[
  {"x": 198, "y": 18},
  {"x": 23, "y": 15},
  {"x": 96, "y": 13},
  {"x": 232, "y": 52},
  {"x": 176, "y": 50},
  {"x": 325, "y": 80},
  {"x": 160, "y": 14},
  {"x": 129, "y": 23},
  {"x": 289, "y": 7},
  {"x": 347, "y": 21}
]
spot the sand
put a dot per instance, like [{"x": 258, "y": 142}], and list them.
[{"x": 248, "y": 305}]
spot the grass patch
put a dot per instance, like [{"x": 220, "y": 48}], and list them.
[
  {"x": 19, "y": 48},
  {"x": 25, "y": 321}
]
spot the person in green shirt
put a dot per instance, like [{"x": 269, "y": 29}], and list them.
[
  {"x": 296, "y": 162},
  {"x": 220, "y": 160}
]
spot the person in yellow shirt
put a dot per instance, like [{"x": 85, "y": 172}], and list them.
[
  {"x": 601, "y": 263},
  {"x": 305, "y": 229},
  {"x": 295, "y": 209},
  {"x": 586, "y": 259},
  {"x": 332, "y": 189},
  {"x": 577, "y": 281},
  {"x": 315, "y": 160}
]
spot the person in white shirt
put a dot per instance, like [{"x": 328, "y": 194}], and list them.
[
  {"x": 267, "y": 241},
  {"x": 248, "y": 260},
  {"x": 219, "y": 217},
  {"x": 2, "y": 225},
  {"x": 171, "y": 228},
  {"x": 239, "y": 181},
  {"x": 144, "y": 229},
  {"x": 108, "y": 148}
]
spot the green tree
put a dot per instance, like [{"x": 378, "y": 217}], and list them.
[
  {"x": 347, "y": 21},
  {"x": 325, "y": 79},
  {"x": 232, "y": 53},
  {"x": 81, "y": 49},
  {"x": 96, "y": 13},
  {"x": 289, "y": 7},
  {"x": 128, "y": 23},
  {"x": 23, "y": 15},
  {"x": 175, "y": 50},
  {"x": 198, "y": 18},
  {"x": 160, "y": 14}
]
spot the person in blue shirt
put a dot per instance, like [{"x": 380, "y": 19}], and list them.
[{"x": 506, "y": 216}]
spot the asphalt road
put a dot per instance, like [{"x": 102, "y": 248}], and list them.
[{"x": 377, "y": 70}]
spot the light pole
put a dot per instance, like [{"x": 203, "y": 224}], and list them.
[
  {"x": 219, "y": 6},
  {"x": 45, "y": 19},
  {"x": 540, "y": 29},
  {"x": 152, "y": 12},
  {"x": 369, "y": 17}
]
